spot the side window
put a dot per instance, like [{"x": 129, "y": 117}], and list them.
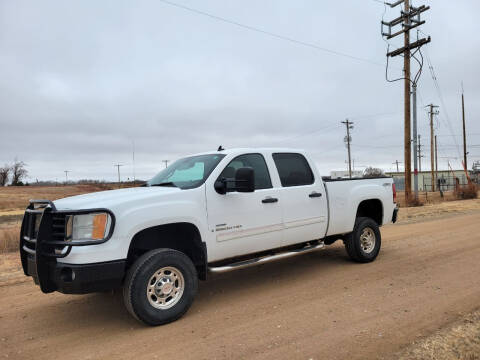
[
  {"x": 293, "y": 169},
  {"x": 255, "y": 161}
]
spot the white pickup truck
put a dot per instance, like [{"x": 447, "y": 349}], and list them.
[{"x": 214, "y": 211}]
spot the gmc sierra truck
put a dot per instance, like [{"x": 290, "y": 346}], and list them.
[{"x": 210, "y": 212}]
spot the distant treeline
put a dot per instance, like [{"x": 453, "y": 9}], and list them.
[{"x": 82, "y": 182}]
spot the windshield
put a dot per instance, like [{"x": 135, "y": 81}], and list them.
[{"x": 187, "y": 173}]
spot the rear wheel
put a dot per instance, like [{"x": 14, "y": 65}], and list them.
[
  {"x": 160, "y": 286},
  {"x": 363, "y": 243}
]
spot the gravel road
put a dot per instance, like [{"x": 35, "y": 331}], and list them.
[{"x": 313, "y": 306}]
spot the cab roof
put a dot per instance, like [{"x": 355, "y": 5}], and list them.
[{"x": 236, "y": 151}]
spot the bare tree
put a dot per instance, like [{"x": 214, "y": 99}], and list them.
[
  {"x": 18, "y": 172},
  {"x": 4, "y": 173},
  {"x": 371, "y": 172}
]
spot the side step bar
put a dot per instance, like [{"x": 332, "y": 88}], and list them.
[{"x": 261, "y": 260}]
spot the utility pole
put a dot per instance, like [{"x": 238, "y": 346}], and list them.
[
  {"x": 166, "y": 162},
  {"x": 66, "y": 176},
  {"x": 118, "y": 170},
  {"x": 133, "y": 161},
  {"x": 465, "y": 165},
  {"x": 436, "y": 160},
  {"x": 415, "y": 162},
  {"x": 432, "y": 139},
  {"x": 348, "y": 139},
  {"x": 397, "y": 162},
  {"x": 420, "y": 154},
  {"x": 409, "y": 19}
]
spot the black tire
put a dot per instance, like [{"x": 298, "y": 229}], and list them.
[
  {"x": 140, "y": 273},
  {"x": 353, "y": 243}
]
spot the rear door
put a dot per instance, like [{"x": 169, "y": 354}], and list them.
[
  {"x": 303, "y": 201},
  {"x": 245, "y": 222}
]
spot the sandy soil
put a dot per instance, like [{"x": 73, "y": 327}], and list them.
[
  {"x": 317, "y": 305},
  {"x": 460, "y": 341},
  {"x": 439, "y": 210}
]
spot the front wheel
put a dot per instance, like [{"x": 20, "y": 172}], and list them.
[
  {"x": 160, "y": 286},
  {"x": 363, "y": 243}
]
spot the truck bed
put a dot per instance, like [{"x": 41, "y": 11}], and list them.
[{"x": 345, "y": 195}]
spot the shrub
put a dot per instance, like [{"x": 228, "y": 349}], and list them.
[
  {"x": 9, "y": 238},
  {"x": 467, "y": 192}
]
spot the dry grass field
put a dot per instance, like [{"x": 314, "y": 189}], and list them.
[{"x": 14, "y": 200}]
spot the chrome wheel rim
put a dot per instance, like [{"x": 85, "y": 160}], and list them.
[
  {"x": 165, "y": 287},
  {"x": 367, "y": 240}
]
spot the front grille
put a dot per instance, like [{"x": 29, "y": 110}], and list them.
[
  {"x": 58, "y": 230},
  {"x": 53, "y": 230}
]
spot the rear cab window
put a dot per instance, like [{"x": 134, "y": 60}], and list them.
[{"x": 293, "y": 169}]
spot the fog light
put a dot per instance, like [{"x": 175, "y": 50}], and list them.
[{"x": 67, "y": 274}]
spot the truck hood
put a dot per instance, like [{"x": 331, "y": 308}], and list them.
[{"x": 111, "y": 198}]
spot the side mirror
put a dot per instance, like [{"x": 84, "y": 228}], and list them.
[
  {"x": 220, "y": 186},
  {"x": 245, "y": 180}
]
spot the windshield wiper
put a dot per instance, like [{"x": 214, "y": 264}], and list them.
[{"x": 168, "y": 183}]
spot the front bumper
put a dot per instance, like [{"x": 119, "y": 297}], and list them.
[
  {"x": 42, "y": 243},
  {"x": 395, "y": 214},
  {"x": 79, "y": 279}
]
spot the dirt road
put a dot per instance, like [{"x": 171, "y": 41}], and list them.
[{"x": 314, "y": 306}]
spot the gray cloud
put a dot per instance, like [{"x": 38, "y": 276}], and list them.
[{"x": 79, "y": 82}]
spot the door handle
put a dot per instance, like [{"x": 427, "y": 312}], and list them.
[
  {"x": 315, "y": 194},
  {"x": 269, "y": 200}
]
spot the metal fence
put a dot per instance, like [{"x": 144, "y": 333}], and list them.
[{"x": 443, "y": 183}]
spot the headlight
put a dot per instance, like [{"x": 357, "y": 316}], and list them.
[{"x": 94, "y": 226}]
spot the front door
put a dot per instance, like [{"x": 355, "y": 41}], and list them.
[{"x": 245, "y": 222}]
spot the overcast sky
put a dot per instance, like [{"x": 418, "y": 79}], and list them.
[{"x": 80, "y": 82}]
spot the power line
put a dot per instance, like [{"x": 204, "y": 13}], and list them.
[
  {"x": 269, "y": 33},
  {"x": 440, "y": 96},
  {"x": 469, "y": 134},
  {"x": 325, "y": 129},
  {"x": 375, "y": 115}
]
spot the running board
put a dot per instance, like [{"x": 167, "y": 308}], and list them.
[{"x": 261, "y": 260}]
